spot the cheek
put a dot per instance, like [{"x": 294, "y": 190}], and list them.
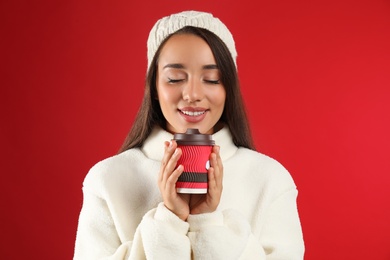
[
  {"x": 166, "y": 95},
  {"x": 220, "y": 98}
]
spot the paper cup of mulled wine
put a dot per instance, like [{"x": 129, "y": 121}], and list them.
[{"x": 196, "y": 149}]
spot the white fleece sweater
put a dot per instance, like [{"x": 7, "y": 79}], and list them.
[{"x": 123, "y": 216}]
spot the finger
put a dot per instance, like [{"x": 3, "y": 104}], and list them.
[
  {"x": 214, "y": 191},
  {"x": 168, "y": 153},
  {"x": 163, "y": 162},
  {"x": 171, "y": 165},
  {"x": 172, "y": 179},
  {"x": 211, "y": 179},
  {"x": 214, "y": 174},
  {"x": 217, "y": 165},
  {"x": 218, "y": 154}
]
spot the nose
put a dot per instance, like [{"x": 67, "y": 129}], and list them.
[{"x": 193, "y": 91}]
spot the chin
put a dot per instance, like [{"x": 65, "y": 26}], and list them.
[{"x": 178, "y": 130}]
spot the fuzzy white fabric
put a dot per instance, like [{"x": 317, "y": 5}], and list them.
[
  {"x": 172, "y": 23},
  {"x": 123, "y": 216}
]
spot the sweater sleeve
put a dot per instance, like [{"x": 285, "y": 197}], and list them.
[
  {"x": 164, "y": 235},
  {"x": 160, "y": 235},
  {"x": 96, "y": 237},
  {"x": 228, "y": 235},
  {"x": 281, "y": 234},
  {"x": 223, "y": 235}
]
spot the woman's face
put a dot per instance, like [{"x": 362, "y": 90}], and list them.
[{"x": 188, "y": 85}]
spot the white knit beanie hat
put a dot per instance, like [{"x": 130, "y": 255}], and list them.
[{"x": 170, "y": 24}]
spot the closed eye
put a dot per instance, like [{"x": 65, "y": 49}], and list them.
[
  {"x": 172, "y": 81},
  {"x": 212, "y": 81}
]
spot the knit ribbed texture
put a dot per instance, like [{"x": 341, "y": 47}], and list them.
[{"x": 170, "y": 24}]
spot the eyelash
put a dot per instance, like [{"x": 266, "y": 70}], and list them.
[
  {"x": 212, "y": 81},
  {"x": 173, "y": 81}
]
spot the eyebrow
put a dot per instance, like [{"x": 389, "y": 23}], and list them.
[
  {"x": 181, "y": 66},
  {"x": 210, "y": 67},
  {"x": 174, "y": 66}
]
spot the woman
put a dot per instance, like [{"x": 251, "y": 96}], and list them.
[{"x": 131, "y": 209}]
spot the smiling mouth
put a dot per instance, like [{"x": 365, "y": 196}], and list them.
[{"x": 193, "y": 113}]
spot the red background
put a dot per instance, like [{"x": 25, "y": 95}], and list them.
[{"x": 315, "y": 77}]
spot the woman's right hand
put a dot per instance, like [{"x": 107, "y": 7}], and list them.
[{"x": 168, "y": 176}]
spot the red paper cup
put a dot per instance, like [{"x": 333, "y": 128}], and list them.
[{"x": 196, "y": 149}]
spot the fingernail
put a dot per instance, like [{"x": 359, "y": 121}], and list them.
[{"x": 170, "y": 143}]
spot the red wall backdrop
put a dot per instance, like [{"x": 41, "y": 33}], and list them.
[{"x": 315, "y": 76}]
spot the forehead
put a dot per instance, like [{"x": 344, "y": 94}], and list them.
[{"x": 181, "y": 48}]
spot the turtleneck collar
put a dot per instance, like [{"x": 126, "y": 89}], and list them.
[{"x": 153, "y": 146}]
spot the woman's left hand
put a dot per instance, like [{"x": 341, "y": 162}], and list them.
[{"x": 206, "y": 203}]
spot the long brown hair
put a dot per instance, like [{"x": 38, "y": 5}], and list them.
[{"x": 234, "y": 114}]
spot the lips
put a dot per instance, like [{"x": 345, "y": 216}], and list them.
[{"x": 193, "y": 114}]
